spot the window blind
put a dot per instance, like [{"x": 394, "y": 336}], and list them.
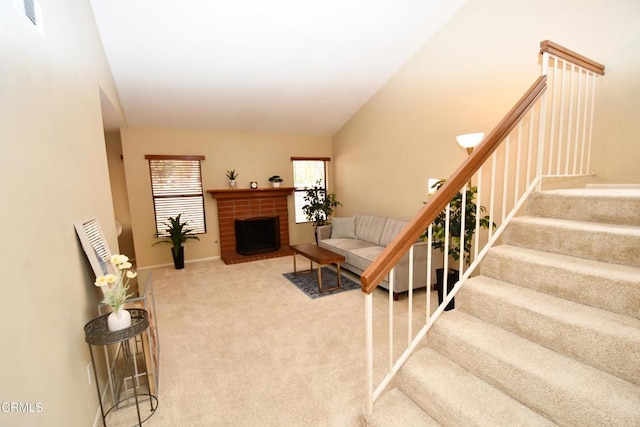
[{"x": 176, "y": 184}]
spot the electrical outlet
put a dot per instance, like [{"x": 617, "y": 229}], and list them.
[{"x": 89, "y": 371}]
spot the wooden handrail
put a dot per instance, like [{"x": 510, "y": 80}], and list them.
[
  {"x": 391, "y": 255},
  {"x": 571, "y": 56}
]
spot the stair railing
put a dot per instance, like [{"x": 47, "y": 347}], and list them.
[{"x": 506, "y": 167}]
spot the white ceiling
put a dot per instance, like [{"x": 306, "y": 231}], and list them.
[{"x": 282, "y": 66}]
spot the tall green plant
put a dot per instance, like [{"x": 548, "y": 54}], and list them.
[
  {"x": 178, "y": 234},
  {"x": 455, "y": 223},
  {"x": 319, "y": 204}
]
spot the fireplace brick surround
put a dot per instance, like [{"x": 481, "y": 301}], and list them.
[{"x": 248, "y": 203}]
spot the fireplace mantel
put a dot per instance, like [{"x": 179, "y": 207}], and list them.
[{"x": 242, "y": 193}]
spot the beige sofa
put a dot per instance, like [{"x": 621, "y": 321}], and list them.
[{"x": 361, "y": 238}]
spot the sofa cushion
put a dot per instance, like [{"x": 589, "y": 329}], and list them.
[
  {"x": 343, "y": 246},
  {"x": 343, "y": 228},
  {"x": 391, "y": 229},
  {"x": 369, "y": 228},
  {"x": 361, "y": 258}
]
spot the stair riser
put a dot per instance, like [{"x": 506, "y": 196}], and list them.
[
  {"x": 611, "y": 292},
  {"x": 617, "y": 248},
  {"x": 612, "y": 351},
  {"x": 606, "y": 210}
]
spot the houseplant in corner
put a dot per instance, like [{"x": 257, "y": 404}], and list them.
[
  {"x": 232, "y": 175},
  {"x": 115, "y": 287},
  {"x": 178, "y": 235},
  {"x": 455, "y": 228},
  {"x": 275, "y": 181},
  {"x": 319, "y": 206}
]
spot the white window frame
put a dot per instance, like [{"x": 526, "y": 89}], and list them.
[{"x": 300, "y": 188}]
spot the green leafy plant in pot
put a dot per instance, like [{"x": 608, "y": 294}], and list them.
[
  {"x": 178, "y": 235},
  {"x": 232, "y": 176},
  {"x": 319, "y": 205},
  {"x": 455, "y": 228},
  {"x": 275, "y": 180}
]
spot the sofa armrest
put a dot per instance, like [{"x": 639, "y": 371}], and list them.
[{"x": 324, "y": 232}]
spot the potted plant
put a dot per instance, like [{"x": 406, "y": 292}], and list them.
[
  {"x": 455, "y": 228},
  {"x": 232, "y": 175},
  {"x": 319, "y": 205},
  {"x": 178, "y": 235},
  {"x": 275, "y": 181}
]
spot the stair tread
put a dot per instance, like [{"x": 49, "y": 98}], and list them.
[
  {"x": 619, "y": 244},
  {"x": 597, "y": 337},
  {"x": 611, "y": 206},
  {"x": 572, "y": 263},
  {"x": 549, "y": 305},
  {"x": 596, "y": 192},
  {"x": 564, "y": 390},
  {"x": 457, "y": 397},
  {"x": 395, "y": 408},
  {"x": 620, "y": 229},
  {"x": 581, "y": 280}
]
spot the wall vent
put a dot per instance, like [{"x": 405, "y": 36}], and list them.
[{"x": 30, "y": 10}]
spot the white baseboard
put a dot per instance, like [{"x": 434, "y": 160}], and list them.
[{"x": 148, "y": 267}]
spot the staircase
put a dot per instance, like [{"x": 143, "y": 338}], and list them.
[{"x": 548, "y": 334}]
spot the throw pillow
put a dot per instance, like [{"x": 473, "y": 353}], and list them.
[{"x": 343, "y": 228}]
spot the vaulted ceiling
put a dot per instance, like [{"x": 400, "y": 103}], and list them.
[{"x": 281, "y": 66}]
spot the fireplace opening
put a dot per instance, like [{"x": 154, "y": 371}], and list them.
[{"x": 257, "y": 235}]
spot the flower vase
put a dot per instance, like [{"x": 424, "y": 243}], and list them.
[{"x": 118, "y": 320}]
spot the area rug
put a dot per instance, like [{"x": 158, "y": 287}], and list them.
[{"x": 308, "y": 282}]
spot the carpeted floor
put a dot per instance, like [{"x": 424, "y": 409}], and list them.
[
  {"x": 308, "y": 282},
  {"x": 241, "y": 346}
]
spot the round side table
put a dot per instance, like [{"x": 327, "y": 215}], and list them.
[{"x": 97, "y": 333}]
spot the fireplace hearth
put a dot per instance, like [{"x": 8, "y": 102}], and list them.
[{"x": 257, "y": 235}]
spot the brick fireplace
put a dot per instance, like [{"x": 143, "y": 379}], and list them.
[{"x": 244, "y": 204}]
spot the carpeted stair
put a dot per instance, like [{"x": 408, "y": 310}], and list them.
[{"x": 548, "y": 333}]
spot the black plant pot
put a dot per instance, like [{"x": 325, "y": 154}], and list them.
[
  {"x": 451, "y": 281},
  {"x": 178, "y": 260}
]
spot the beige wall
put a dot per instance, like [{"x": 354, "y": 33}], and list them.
[
  {"x": 54, "y": 172},
  {"x": 255, "y": 157},
  {"x": 466, "y": 78},
  {"x": 616, "y": 154}
]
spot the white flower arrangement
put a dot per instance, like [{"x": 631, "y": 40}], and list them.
[{"x": 114, "y": 286}]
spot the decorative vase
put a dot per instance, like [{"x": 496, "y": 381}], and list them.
[
  {"x": 118, "y": 320},
  {"x": 232, "y": 184},
  {"x": 275, "y": 184}
]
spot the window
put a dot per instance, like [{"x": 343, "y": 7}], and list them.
[
  {"x": 307, "y": 171},
  {"x": 176, "y": 184}
]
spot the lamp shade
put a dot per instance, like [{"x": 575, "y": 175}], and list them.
[{"x": 470, "y": 140}]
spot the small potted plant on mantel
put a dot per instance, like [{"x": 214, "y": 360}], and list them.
[
  {"x": 275, "y": 181},
  {"x": 232, "y": 175},
  {"x": 178, "y": 235}
]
